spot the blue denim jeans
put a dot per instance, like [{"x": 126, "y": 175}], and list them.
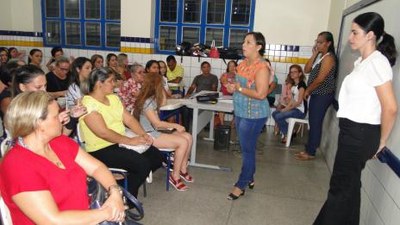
[
  {"x": 280, "y": 118},
  {"x": 248, "y": 131},
  {"x": 317, "y": 109}
]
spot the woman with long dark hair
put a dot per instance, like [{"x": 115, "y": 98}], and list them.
[
  {"x": 79, "y": 72},
  {"x": 367, "y": 113}
]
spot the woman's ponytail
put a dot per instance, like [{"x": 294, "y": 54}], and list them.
[{"x": 388, "y": 48}]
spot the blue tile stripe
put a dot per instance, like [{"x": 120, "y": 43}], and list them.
[
  {"x": 137, "y": 39},
  {"x": 21, "y": 33}
]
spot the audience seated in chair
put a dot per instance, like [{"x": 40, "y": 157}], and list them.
[
  {"x": 175, "y": 73},
  {"x": 43, "y": 176},
  {"x": 103, "y": 130},
  {"x": 227, "y": 78},
  {"x": 58, "y": 79},
  {"x": 147, "y": 107},
  {"x": 296, "y": 108},
  {"x": 205, "y": 81},
  {"x": 129, "y": 90},
  {"x": 31, "y": 78},
  {"x": 285, "y": 98},
  {"x": 273, "y": 82}
]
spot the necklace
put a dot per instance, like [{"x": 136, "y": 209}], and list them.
[{"x": 56, "y": 162}]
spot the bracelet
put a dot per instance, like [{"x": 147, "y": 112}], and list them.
[{"x": 116, "y": 187}]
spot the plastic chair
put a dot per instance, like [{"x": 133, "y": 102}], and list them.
[
  {"x": 119, "y": 174},
  {"x": 291, "y": 123},
  {"x": 5, "y": 213}
]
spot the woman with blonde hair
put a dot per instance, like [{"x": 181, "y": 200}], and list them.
[
  {"x": 147, "y": 108},
  {"x": 43, "y": 176}
]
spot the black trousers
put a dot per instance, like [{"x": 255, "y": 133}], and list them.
[
  {"x": 137, "y": 165},
  {"x": 357, "y": 143}
]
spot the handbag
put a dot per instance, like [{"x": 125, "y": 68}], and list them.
[{"x": 98, "y": 195}]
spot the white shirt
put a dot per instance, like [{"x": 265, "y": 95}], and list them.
[{"x": 358, "y": 100}]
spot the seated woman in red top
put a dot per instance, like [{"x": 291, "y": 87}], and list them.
[
  {"x": 43, "y": 176},
  {"x": 227, "y": 78}
]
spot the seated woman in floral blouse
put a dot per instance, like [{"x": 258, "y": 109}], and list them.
[{"x": 130, "y": 88}]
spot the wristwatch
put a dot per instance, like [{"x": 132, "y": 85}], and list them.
[
  {"x": 240, "y": 89},
  {"x": 116, "y": 187}
]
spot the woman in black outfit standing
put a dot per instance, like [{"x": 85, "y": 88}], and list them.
[{"x": 367, "y": 113}]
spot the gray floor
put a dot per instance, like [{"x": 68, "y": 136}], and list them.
[{"x": 287, "y": 191}]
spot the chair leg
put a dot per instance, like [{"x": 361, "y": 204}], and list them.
[
  {"x": 289, "y": 133},
  {"x": 144, "y": 190},
  {"x": 168, "y": 170}
]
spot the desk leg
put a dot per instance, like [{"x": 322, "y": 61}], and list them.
[
  {"x": 194, "y": 145},
  {"x": 211, "y": 133},
  {"x": 194, "y": 135}
]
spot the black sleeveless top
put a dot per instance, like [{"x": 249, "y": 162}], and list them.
[{"x": 328, "y": 86}]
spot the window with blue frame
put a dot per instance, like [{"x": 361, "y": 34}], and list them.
[
  {"x": 91, "y": 24},
  {"x": 202, "y": 21}
]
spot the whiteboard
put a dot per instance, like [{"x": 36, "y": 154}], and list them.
[{"x": 389, "y": 10}]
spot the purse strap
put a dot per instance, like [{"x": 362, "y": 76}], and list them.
[{"x": 136, "y": 213}]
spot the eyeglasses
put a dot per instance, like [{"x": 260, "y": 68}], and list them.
[{"x": 64, "y": 69}]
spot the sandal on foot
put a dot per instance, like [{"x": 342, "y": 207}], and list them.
[
  {"x": 178, "y": 184},
  {"x": 232, "y": 196},
  {"x": 252, "y": 184},
  {"x": 301, "y": 153},
  {"x": 305, "y": 157},
  {"x": 186, "y": 177}
]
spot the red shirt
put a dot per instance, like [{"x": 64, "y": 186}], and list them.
[
  {"x": 22, "y": 170},
  {"x": 231, "y": 80}
]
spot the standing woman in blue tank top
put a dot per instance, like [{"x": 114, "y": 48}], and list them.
[
  {"x": 322, "y": 67},
  {"x": 251, "y": 107}
]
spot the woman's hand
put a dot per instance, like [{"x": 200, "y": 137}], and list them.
[
  {"x": 78, "y": 111},
  {"x": 64, "y": 117},
  {"x": 144, "y": 139},
  {"x": 115, "y": 204},
  {"x": 315, "y": 50},
  {"x": 380, "y": 148},
  {"x": 179, "y": 128},
  {"x": 231, "y": 87},
  {"x": 306, "y": 94}
]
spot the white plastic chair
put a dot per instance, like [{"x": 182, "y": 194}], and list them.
[
  {"x": 118, "y": 173},
  {"x": 5, "y": 213},
  {"x": 291, "y": 123}
]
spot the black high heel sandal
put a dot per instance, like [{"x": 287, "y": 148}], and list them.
[
  {"x": 231, "y": 196},
  {"x": 251, "y": 185}
]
